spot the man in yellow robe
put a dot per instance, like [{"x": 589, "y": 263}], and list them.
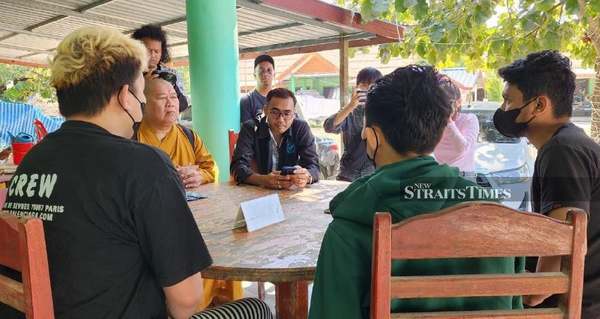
[{"x": 190, "y": 156}]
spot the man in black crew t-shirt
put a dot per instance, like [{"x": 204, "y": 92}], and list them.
[
  {"x": 121, "y": 240},
  {"x": 538, "y": 97}
]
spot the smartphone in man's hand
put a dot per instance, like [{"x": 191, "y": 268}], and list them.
[{"x": 287, "y": 170}]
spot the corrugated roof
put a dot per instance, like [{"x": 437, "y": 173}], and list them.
[
  {"x": 31, "y": 29},
  {"x": 462, "y": 76}
]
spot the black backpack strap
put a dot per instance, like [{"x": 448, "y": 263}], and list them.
[{"x": 190, "y": 135}]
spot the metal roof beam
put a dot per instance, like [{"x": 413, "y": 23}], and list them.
[
  {"x": 317, "y": 48},
  {"x": 334, "y": 15},
  {"x": 253, "y": 5},
  {"x": 12, "y": 61},
  {"x": 4, "y": 27},
  {"x": 272, "y": 28},
  {"x": 54, "y": 19},
  {"x": 20, "y": 48},
  {"x": 165, "y": 23},
  {"x": 80, "y": 13},
  {"x": 302, "y": 43},
  {"x": 181, "y": 61}
]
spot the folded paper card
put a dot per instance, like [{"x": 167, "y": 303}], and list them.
[{"x": 258, "y": 213}]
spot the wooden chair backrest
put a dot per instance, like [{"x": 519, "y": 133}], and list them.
[
  {"x": 479, "y": 229},
  {"x": 23, "y": 248},
  {"x": 3, "y": 195},
  {"x": 233, "y": 136}
]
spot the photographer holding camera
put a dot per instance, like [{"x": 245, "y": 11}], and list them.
[
  {"x": 349, "y": 121},
  {"x": 155, "y": 41}
]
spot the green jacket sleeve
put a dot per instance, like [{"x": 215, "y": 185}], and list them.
[{"x": 342, "y": 281}]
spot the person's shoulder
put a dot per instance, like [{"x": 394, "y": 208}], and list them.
[
  {"x": 300, "y": 124},
  {"x": 146, "y": 157},
  {"x": 249, "y": 125},
  {"x": 570, "y": 139},
  {"x": 468, "y": 118},
  {"x": 246, "y": 97}
]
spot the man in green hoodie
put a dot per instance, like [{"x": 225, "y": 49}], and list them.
[{"x": 406, "y": 113}]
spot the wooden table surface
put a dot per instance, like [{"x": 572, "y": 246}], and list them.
[
  {"x": 6, "y": 172},
  {"x": 286, "y": 251}
]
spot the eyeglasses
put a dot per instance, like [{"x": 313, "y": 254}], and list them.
[{"x": 275, "y": 113}]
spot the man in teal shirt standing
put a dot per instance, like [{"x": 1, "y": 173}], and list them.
[{"x": 406, "y": 114}]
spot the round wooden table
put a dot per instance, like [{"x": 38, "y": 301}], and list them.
[
  {"x": 284, "y": 253},
  {"x": 6, "y": 172}
]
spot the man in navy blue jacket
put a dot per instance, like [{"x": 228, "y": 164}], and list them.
[{"x": 279, "y": 139}]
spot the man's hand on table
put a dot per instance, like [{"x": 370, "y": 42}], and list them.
[
  {"x": 301, "y": 177},
  {"x": 190, "y": 176},
  {"x": 276, "y": 181}
]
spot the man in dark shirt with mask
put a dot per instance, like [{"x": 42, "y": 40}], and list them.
[{"x": 538, "y": 98}]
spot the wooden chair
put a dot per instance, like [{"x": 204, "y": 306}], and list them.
[
  {"x": 233, "y": 136},
  {"x": 23, "y": 248},
  {"x": 479, "y": 229},
  {"x": 3, "y": 194}
]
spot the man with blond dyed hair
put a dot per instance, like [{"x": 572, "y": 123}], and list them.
[{"x": 121, "y": 240}]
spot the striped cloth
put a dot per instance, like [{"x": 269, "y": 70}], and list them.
[
  {"x": 18, "y": 117},
  {"x": 247, "y": 308}
]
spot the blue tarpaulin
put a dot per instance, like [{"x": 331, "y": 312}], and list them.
[{"x": 18, "y": 117}]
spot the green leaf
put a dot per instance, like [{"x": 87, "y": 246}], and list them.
[
  {"x": 595, "y": 5},
  {"x": 400, "y": 6},
  {"x": 410, "y": 3},
  {"x": 421, "y": 48},
  {"x": 437, "y": 32},
  {"x": 572, "y": 7},
  {"x": 545, "y": 5},
  {"x": 421, "y": 9}
]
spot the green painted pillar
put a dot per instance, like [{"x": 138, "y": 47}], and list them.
[{"x": 213, "y": 57}]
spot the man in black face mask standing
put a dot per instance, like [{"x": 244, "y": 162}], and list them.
[{"x": 538, "y": 97}]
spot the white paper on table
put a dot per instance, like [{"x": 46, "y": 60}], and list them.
[{"x": 258, "y": 213}]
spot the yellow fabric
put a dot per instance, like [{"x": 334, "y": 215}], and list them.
[
  {"x": 177, "y": 146},
  {"x": 220, "y": 292}
]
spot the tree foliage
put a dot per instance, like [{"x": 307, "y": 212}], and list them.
[
  {"x": 20, "y": 84},
  {"x": 484, "y": 34}
]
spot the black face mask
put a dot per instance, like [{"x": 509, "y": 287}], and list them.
[
  {"x": 136, "y": 124},
  {"x": 372, "y": 159},
  {"x": 504, "y": 121}
]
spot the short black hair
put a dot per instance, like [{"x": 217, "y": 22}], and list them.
[
  {"x": 449, "y": 87},
  {"x": 281, "y": 93},
  {"x": 264, "y": 58},
  {"x": 154, "y": 32},
  {"x": 546, "y": 72},
  {"x": 368, "y": 75},
  {"x": 89, "y": 96},
  {"x": 410, "y": 108}
]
